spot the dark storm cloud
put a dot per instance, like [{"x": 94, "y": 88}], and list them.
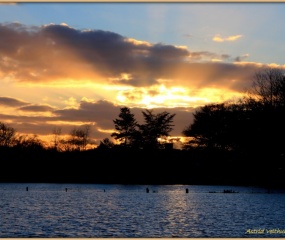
[{"x": 11, "y": 102}]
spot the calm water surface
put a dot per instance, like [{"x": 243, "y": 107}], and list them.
[{"x": 85, "y": 210}]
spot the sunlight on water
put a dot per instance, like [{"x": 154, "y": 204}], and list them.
[{"x": 89, "y": 210}]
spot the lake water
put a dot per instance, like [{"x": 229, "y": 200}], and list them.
[{"x": 86, "y": 210}]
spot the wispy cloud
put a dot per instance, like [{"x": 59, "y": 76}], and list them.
[
  {"x": 218, "y": 38},
  {"x": 36, "y": 108}
]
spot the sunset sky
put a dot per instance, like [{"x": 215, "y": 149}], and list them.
[{"x": 70, "y": 64}]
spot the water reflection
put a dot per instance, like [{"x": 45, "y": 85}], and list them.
[{"x": 47, "y": 210}]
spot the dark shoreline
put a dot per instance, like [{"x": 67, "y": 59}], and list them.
[{"x": 159, "y": 167}]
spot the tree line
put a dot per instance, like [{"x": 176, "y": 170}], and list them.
[
  {"x": 76, "y": 141},
  {"x": 129, "y": 134}
]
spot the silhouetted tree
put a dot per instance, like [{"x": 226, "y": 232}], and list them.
[
  {"x": 232, "y": 126},
  {"x": 7, "y": 135},
  {"x": 79, "y": 138},
  {"x": 105, "y": 144},
  {"x": 155, "y": 126},
  {"x": 126, "y": 127},
  {"x": 209, "y": 128},
  {"x": 30, "y": 143},
  {"x": 268, "y": 88},
  {"x": 266, "y": 104},
  {"x": 251, "y": 127},
  {"x": 56, "y": 137}
]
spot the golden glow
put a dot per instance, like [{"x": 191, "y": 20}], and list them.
[
  {"x": 117, "y": 87},
  {"x": 216, "y": 60},
  {"x": 165, "y": 94},
  {"x": 48, "y": 140},
  {"x": 175, "y": 96},
  {"x": 181, "y": 47},
  {"x": 71, "y": 102},
  {"x": 161, "y": 96},
  {"x": 217, "y": 95},
  {"x": 123, "y": 76},
  {"x": 274, "y": 65},
  {"x": 122, "y": 98}
]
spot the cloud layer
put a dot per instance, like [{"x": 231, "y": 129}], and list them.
[
  {"x": 54, "y": 53},
  {"x": 135, "y": 73}
]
